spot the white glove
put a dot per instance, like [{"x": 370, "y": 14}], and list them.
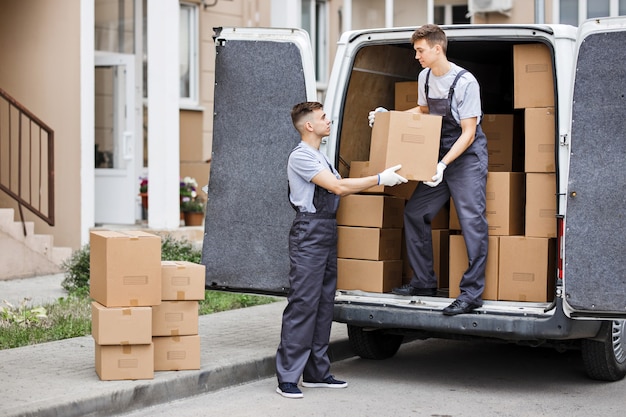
[
  {"x": 389, "y": 177},
  {"x": 372, "y": 115},
  {"x": 438, "y": 177}
]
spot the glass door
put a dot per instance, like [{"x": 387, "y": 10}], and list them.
[{"x": 116, "y": 182}]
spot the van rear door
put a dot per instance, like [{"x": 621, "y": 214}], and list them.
[
  {"x": 260, "y": 74},
  {"x": 595, "y": 224}
]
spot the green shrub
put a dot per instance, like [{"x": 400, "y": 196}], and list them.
[{"x": 179, "y": 250}]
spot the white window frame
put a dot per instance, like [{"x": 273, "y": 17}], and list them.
[
  {"x": 192, "y": 100},
  {"x": 319, "y": 41},
  {"x": 582, "y": 10}
]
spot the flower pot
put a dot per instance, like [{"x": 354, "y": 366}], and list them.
[
  {"x": 193, "y": 218},
  {"x": 144, "y": 200}
]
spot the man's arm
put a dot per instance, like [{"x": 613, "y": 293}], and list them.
[
  {"x": 345, "y": 186},
  {"x": 468, "y": 134}
]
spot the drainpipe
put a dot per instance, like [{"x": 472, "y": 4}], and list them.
[{"x": 540, "y": 15}]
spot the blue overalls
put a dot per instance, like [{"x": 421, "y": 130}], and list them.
[
  {"x": 465, "y": 180},
  {"x": 307, "y": 319}
]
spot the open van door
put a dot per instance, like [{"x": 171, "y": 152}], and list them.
[
  {"x": 260, "y": 74},
  {"x": 595, "y": 224}
]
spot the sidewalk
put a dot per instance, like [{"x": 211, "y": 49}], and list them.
[{"x": 59, "y": 378}]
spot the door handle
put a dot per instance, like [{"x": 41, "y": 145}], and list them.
[{"x": 129, "y": 146}]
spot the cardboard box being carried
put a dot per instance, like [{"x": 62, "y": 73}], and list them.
[
  {"x": 176, "y": 353},
  {"x": 370, "y": 211},
  {"x": 372, "y": 276},
  {"x": 409, "y": 139},
  {"x": 459, "y": 263},
  {"x": 533, "y": 80},
  {"x": 526, "y": 269},
  {"x": 371, "y": 243},
  {"x": 175, "y": 318},
  {"x": 360, "y": 169},
  {"x": 121, "y": 325},
  {"x": 181, "y": 280},
  {"x": 539, "y": 140},
  {"x": 125, "y": 268},
  {"x": 124, "y": 362}
]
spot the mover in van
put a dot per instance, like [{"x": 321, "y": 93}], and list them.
[{"x": 553, "y": 98}]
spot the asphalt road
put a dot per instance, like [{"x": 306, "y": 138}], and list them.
[{"x": 435, "y": 378}]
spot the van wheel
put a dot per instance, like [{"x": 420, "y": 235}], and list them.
[
  {"x": 605, "y": 360},
  {"x": 373, "y": 344}
]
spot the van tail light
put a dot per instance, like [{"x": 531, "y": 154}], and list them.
[{"x": 560, "y": 234}]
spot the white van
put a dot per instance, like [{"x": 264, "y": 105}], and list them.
[{"x": 261, "y": 74}]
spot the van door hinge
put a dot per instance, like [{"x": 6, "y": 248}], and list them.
[{"x": 563, "y": 140}]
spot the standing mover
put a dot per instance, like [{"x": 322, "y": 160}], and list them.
[
  {"x": 447, "y": 90},
  {"x": 314, "y": 190}
]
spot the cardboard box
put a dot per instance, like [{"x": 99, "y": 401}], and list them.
[
  {"x": 125, "y": 268},
  {"x": 370, "y": 211},
  {"x": 533, "y": 80},
  {"x": 124, "y": 362},
  {"x": 405, "y": 95},
  {"x": 498, "y": 129},
  {"x": 175, "y": 318},
  {"x": 505, "y": 203},
  {"x": 121, "y": 325},
  {"x": 441, "y": 253},
  {"x": 411, "y": 140},
  {"x": 527, "y": 269},
  {"x": 360, "y": 169},
  {"x": 176, "y": 353},
  {"x": 539, "y": 140},
  {"x": 181, "y": 280},
  {"x": 540, "y": 205},
  {"x": 372, "y": 276},
  {"x": 459, "y": 264},
  {"x": 369, "y": 243}
]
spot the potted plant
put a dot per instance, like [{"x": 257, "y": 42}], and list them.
[
  {"x": 143, "y": 192},
  {"x": 191, "y": 204}
]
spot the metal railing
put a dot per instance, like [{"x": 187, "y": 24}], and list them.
[{"x": 26, "y": 159}]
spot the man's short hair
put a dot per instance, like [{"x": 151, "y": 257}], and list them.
[
  {"x": 301, "y": 110},
  {"x": 433, "y": 34}
]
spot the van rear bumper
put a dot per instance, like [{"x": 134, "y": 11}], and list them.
[{"x": 505, "y": 321}]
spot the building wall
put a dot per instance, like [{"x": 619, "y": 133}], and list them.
[
  {"x": 523, "y": 12},
  {"x": 40, "y": 55}
]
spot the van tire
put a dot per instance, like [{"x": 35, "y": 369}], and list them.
[
  {"x": 373, "y": 344},
  {"x": 605, "y": 359}
]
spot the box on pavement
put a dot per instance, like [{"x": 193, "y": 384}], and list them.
[
  {"x": 459, "y": 264},
  {"x": 182, "y": 280},
  {"x": 540, "y": 205},
  {"x": 368, "y": 210},
  {"x": 175, "y": 318},
  {"x": 533, "y": 82},
  {"x": 539, "y": 140},
  {"x": 176, "y": 353},
  {"x": 527, "y": 269},
  {"x": 121, "y": 325},
  {"x": 125, "y": 268},
  {"x": 405, "y": 95},
  {"x": 498, "y": 129},
  {"x": 409, "y": 139},
  {"x": 117, "y": 362},
  {"x": 360, "y": 169},
  {"x": 365, "y": 275},
  {"x": 505, "y": 203},
  {"x": 371, "y": 243}
]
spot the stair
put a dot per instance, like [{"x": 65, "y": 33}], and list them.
[{"x": 27, "y": 256}]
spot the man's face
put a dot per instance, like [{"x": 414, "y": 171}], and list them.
[
  {"x": 424, "y": 53},
  {"x": 320, "y": 123}
]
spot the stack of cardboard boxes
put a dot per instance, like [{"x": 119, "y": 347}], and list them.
[{"x": 135, "y": 332}]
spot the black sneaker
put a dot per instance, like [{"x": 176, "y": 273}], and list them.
[
  {"x": 329, "y": 382},
  {"x": 289, "y": 390},
  {"x": 408, "y": 289}
]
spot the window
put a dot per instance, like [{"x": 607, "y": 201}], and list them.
[
  {"x": 315, "y": 22},
  {"x": 451, "y": 14},
  {"x": 573, "y": 12},
  {"x": 189, "y": 54}
]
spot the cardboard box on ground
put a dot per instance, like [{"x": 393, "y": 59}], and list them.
[{"x": 127, "y": 318}]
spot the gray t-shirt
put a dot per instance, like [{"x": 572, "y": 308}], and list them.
[
  {"x": 466, "y": 98},
  {"x": 305, "y": 162}
]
